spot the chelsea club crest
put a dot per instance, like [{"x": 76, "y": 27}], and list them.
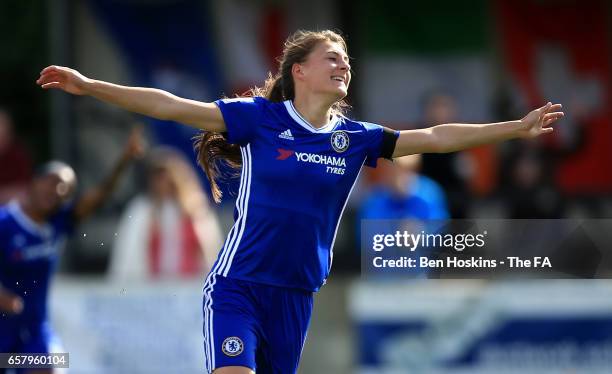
[
  {"x": 232, "y": 346},
  {"x": 340, "y": 141}
]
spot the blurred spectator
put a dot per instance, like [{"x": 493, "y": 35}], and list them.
[
  {"x": 529, "y": 180},
  {"x": 171, "y": 231},
  {"x": 531, "y": 192},
  {"x": 15, "y": 160},
  {"x": 451, "y": 170},
  {"x": 405, "y": 194}
]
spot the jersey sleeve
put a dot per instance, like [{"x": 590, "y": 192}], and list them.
[
  {"x": 381, "y": 142},
  {"x": 63, "y": 220},
  {"x": 241, "y": 117}
]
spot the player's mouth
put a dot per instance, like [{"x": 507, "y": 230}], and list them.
[{"x": 338, "y": 78}]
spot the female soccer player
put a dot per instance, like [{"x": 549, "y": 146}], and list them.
[{"x": 300, "y": 158}]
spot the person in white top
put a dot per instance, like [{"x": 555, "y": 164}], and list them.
[{"x": 170, "y": 231}]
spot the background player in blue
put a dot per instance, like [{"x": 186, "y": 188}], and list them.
[
  {"x": 32, "y": 232},
  {"x": 300, "y": 158}
]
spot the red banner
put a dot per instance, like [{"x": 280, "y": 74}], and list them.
[{"x": 560, "y": 50}]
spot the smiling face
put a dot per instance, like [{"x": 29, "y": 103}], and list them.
[{"x": 325, "y": 71}]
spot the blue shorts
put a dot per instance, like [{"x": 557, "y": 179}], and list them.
[
  {"x": 27, "y": 337},
  {"x": 254, "y": 325}
]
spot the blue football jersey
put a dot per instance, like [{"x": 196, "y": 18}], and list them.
[
  {"x": 295, "y": 182},
  {"x": 28, "y": 257}
]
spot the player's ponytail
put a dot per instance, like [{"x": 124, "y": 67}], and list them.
[{"x": 215, "y": 154}]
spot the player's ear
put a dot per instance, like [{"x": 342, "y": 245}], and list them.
[{"x": 297, "y": 70}]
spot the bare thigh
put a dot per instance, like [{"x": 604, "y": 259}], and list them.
[{"x": 233, "y": 370}]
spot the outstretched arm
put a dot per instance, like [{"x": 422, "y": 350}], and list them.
[
  {"x": 458, "y": 136},
  {"x": 147, "y": 101},
  {"x": 94, "y": 198}
]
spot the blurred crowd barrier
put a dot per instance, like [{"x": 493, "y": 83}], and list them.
[
  {"x": 120, "y": 327},
  {"x": 479, "y": 327},
  {"x": 428, "y": 326}
]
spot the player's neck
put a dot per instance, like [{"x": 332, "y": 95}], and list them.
[
  {"x": 317, "y": 111},
  {"x": 34, "y": 214}
]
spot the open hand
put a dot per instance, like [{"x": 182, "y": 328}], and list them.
[
  {"x": 135, "y": 146},
  {"x": 538, "y": 121},
  {"x": 63, "y": 78}
]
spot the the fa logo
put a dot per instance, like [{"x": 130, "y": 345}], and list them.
[
  {"x": 232, "y": 346},
  {"x": 340, "y": 141}
]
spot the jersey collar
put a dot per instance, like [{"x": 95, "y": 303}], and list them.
[
  {"x": 26, "y": 222},
  {"x": 297, "y": 117}
]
